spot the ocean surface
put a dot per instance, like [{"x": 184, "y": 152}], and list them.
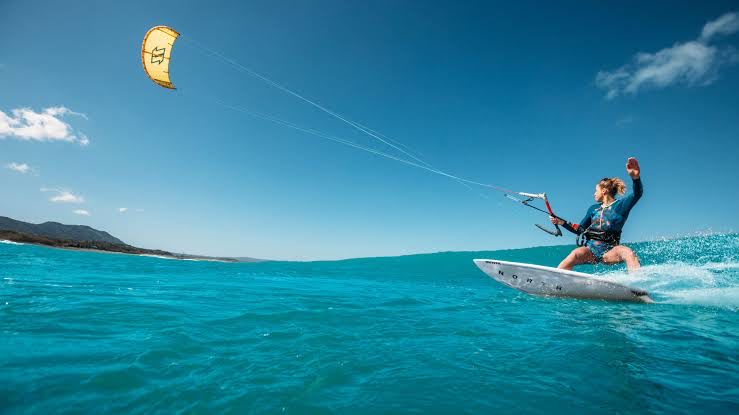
[{"x": 85, "y": 332}]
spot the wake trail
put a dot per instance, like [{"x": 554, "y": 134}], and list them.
[{"x": 712, "y": 284}]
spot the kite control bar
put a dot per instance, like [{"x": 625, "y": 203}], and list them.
[{"x": 542, "y": 196}]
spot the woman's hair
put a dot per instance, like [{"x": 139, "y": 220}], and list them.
[{"x": 612, "y": 185}]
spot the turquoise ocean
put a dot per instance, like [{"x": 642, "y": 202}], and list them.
[{"x": 94, "y": 333}]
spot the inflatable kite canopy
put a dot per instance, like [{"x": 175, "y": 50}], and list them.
[{"x": 155, "y": 54}]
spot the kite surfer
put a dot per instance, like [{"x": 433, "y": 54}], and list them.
[{"x": 599, "y": 233}]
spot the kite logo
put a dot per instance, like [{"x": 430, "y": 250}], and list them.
[{"x": 157, "y": 55}]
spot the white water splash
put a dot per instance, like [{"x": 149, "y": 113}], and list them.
[
  {"x": 3, "y": 241},
  {"x": 727, "y": 297},
  {"x": 709, "y": 284}
]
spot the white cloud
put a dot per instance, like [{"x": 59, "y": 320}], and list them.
[
  {"x": 139, "y": 210},
  {"x": 47, "y": 125},
  {"x": 122, "y": 210},
  {"x": 22, "y": 168},
  {"x": 724, "y": 25},
  {"x": 695, "y": 62},
  {"x": 81, "y": 212},
  {"x": 63, "y": 196}
]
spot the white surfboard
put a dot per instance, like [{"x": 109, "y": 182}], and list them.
[{"x": 548, "y": 281}]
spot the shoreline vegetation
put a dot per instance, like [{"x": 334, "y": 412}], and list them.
[
  {"x": 108, "y": 247},
  {"x": 86, "y": 238}
]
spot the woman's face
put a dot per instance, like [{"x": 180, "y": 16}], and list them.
[{"x": 598, "y": 195}]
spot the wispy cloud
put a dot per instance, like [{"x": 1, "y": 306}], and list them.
[
  {"x": 47, "y": 125},
  {"x": 692, "y": 63},
  {"x": 724, "y": 25},
  {"x": 22, "y": 168},
  {"x": 82, "y": 212},
  {"x": 63, "y": 196},
  {"x": 625, "y": 121},
  {"x": 128, "y": 210}
]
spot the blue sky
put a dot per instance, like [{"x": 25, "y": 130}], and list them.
[{"x": 537, "y": 98}]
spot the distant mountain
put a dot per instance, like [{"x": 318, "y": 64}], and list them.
[
  {"x": 249, "y": 259},
  {"x": 84, "y": 237},
  {"x": 56, "y": 230}
]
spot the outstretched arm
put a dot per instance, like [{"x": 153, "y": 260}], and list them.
[
  {"x": 575, "y": 228},
  {"x": 632, "y": 167}
]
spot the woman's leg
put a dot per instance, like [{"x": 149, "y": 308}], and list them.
[
  {"x": 581, "y": 255},
  {"x": 622, "y": 253}
]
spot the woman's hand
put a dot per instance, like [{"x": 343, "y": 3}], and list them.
[
  {"x": 556, "y": 221},
  {"x": 632, "y": 167}
]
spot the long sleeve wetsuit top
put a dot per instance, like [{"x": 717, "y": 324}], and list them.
[{"x": 608, "y": 219}]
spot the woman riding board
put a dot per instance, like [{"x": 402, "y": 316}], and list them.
[{"x": 600, "y": 230}]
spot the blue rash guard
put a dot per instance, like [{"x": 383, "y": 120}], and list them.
[{"x": 609, "y": 219}]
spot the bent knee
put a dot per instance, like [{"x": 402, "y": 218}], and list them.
[
  {"x": 581, "y": 255},
  {"x": 625, "y": 251},
  {"x": 619, "y": 253}
]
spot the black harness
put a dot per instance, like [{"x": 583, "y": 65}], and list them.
[{"x": 612, "y": 238}]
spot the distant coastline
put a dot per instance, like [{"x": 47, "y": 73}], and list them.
[
  {"x": 85, "y": 238},
  {"x": 107, "y": 247}
]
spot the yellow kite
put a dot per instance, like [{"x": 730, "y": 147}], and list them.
[{"x": 155, "y": 53}]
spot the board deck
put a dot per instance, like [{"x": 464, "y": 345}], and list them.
[{"x": 548, "y": 281}]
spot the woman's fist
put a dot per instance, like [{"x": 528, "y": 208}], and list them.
[{"x": 632, "y": 167}]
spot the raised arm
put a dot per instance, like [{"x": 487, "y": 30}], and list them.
[{"x": 632, "y": 167}]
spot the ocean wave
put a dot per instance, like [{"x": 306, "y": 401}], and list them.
[
  {"x": 3, "y": 241},
  {"x": 424, "y": 332},
  {"x": 715, "y": 248},
  {"x": 202, "y": 260},
  {"x": 157, "y": 256}
]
